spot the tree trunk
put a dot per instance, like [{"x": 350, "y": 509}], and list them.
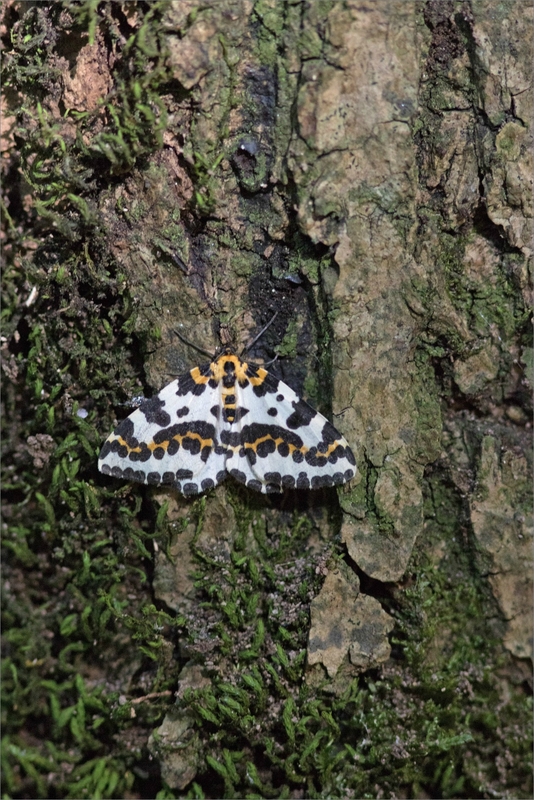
[{"x": 360, "y": 174}]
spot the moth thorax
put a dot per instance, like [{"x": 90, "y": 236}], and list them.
[{"x": 229, "y": 374}]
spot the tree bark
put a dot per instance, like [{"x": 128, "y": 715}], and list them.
[{"x": 364, "y": 170}]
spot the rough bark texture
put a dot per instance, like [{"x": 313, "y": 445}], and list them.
[{"x": 365, "y": 170}]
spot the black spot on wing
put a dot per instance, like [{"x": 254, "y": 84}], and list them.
[
  {"x": 231, "y": 438},
  {"x": 329, "y": 433},
  {"x": 274, "y": 478},
  {"x": 126, "y": 430},
  {"x": 301, "y": 416},
  {"x": 269, "y": 385},
  {"x": 349, "y": 455},
  {"x": 182, "y": 412},
  {"x": 250, "y": 434},
  {"x": 154, "y": 413},
  {"x": 133, "y": 474},
  {"x": 183, "y": 474},
  {"x": 240, "y": 413},
  {"x": 320, "y": 481},
  {"x": 199, "y": 427},
  {"x": 265, "y": 448},
  {"x": 271, "y": 488},
  {"x": 272, "y": 412},
  {"x": 195, "y": 437},
  {"x": 127, "y": 474},
  {"x": 173, "y": 447},
  {"x": 187, "y": 385},
  {"x": 288, "y": 482},
  {"x": 303, "y": 482},
  {"x": 315, "y": 459},
  {"x": 238, "y": 475},
  {"x": 141, "y": 454},
  {"x": 104, "y": 453},
  {"x": 340, "y": 453}
]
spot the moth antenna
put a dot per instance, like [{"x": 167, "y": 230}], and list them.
[
  {"x": 193, "y": 345},
  {"x": 260, "y": 334}
]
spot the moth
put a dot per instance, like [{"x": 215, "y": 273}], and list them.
[{"x": 228, "y": 417}]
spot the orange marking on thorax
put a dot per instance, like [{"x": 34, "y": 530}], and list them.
[{"x": 240, "y": 370}]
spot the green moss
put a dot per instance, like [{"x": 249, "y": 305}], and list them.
[
  {"x": 242, "y": 264},
  {"x": 377, "y": 733},
  {"x": 495, "y": 306},
  {"x": 62, "y": 170},
  {"x": 496, "y": 303},
  {"x": 427, "y": 441},
  {"x": 407, "y": 728},
  {"x": 81, "y": 546},
  {"x": 288, "y": 345},
  {"x": 510, "y": 141},
  {"x": 204, "y": 165},
  {"x": 271, "y": 23}
]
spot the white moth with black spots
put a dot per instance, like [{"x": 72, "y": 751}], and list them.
[{"x": 228, "y": 417}]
